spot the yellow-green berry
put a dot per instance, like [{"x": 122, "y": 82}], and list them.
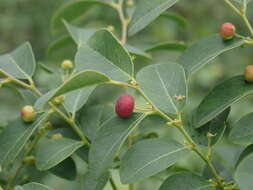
[
  {"x": 58, "y": 100},
  {"x": 67, "y": 65},
  {"x": 28, "y": 113}
]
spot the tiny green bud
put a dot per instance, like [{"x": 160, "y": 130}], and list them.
[
  {"x": 67, "y": 65},
  {"x": 130, "y": 3},
  {"x": 48, "y": 125},
  {"x": 56, "y": 136},
  {"x": 28, "y": 113},
  {"x": 58, "y": 100},
  {"x": 110, "y": 28},
  {"x": 29, "y": 160}
]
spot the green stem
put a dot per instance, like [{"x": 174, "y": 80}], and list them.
[
  {"x": 69, "y": 120},
  {"x": 181, "y": 129},
  {"x": 27, "y": 153},
  {"x": 124, "y": 23},
  {"x": 195, "y": 148},
  {"x": 114, "y": 187},
  {"x": 246, "y": 21},
  {"x": 231, "y": 5},
  {"x": 131, "y": 187},
  {"x": 123, "y": 20},
  {"x": 33, "y": 88},
  {"x": 241, "y": 13},
  {"x": 20, "y": 83}
]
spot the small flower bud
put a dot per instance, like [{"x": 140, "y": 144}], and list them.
[
  {"x": 29, "y": 160},
  {"x": 28, "y": 113},
  {"x": 48, "y": 126},
  {"x": 56, "y": 136},
  {"x": 110, "y": 28},
  {"x": 130, "y": 3},
  {"x": 58, "y": 100},
  {"x": 67, "y": 65}
]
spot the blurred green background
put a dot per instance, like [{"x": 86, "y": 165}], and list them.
[{"x": 29, "y": 20}]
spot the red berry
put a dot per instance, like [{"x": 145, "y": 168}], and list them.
[
  {"x": 227, "y": 30},
  {"x": 248, "y": 73},
  {"x": 124, "y": 106}
]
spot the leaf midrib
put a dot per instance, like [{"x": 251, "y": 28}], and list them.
[
  {"x": 149, "y": 13},
  {"x": 60, "y": 151},
  {"x": 17, "y": 65},
  {"x": 211, "y": 57},
  {"x": 165, "y": 89},
  {"x": 155, "y": 160},
  {"x": 30, "y": 128},
  {"x": 125, "y": 133},
  {"x": 108, "y": 61}
]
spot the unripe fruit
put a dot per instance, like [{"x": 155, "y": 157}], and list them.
[
  {"x": 248, "y": 73},
  {"x": 130, "y": 2},
  {"x": 227, "y": 30},
  {"x": 56, "y": 136},
  {"x": 67, "y": 65},
  {"x": 58, "y": 100},
  {"x": 28, "y": 113},
  {"x": 125, "y": 106}
]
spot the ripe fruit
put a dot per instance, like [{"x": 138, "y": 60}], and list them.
[
  {"x": 227, "y": 30},
  {"x": 67, "y": 65},
  {"x": 28, "y": 113},
  {"x": 248, "y": 73},
  {"x": 58, "y": 100},
  {"x": 124, "y": 106}
]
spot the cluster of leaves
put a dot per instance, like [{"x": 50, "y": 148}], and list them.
[{"x": 96, "y": 141}]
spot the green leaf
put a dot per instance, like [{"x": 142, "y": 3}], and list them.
[
  {"x": 149, "y": 157},
  {"x": 241, "y": 1},
  {"x": 108, "y": 141},
  {"x": 15, "y": 136},
  {"x": 50, "y": 152},
  {"x": 75, "y": 100},
  {"x": 66, "y": 169},
  {"x": 170, "y": 46},
  {"x": 33, "y": 186},
  {"x": 244, "y": 173},
  {"x": 29, "y": 97},
  {"x": 104, "y": 53},
  {"x": 220, "y": 98},
  {"x": 79, "y": 80},
  {"x": 93, "y": 183},
  {"x": 79, "y": 35},
  {"x": 175, "y": 17},
  {"x": 92, "y": 119},
  {"x": 161, "y": 83},
  {"x": 136, "y": 51},
  {"x": 146, "y": 12},
  {"x": 186, "y": 181},
  {"x": 202, "y": 52},
  {"x": 17, "y": 188},
  {"x": 46, "y": 68},
  {"x": 242, "y": 131},
  {"x": 20, "y": 63},
  {"x": 59, "y": 44},
  {"x": 216, "y": 127},
  {"x": 73, "y": 11},
  {"x": 247, "y": 151}
]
